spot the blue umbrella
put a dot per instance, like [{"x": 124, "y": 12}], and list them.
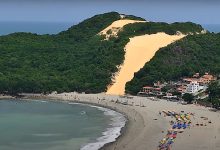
[
  {"x": 184, "y": 126},
  {"x": 179, "y": 125},
  {"x": 174, "y": 126}
]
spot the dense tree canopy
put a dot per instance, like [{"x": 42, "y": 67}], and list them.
[
  {"x": 214, "y": 93},
  {"x": 195, "y": 53},
  {"x": 74, "y": 60},
  {"x": 188, "y": 98}
]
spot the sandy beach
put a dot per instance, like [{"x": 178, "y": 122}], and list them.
[
  {"x": 146, "y": 127},
  {"x": 6, "y": 97}
]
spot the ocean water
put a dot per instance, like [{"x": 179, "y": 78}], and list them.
[
  {"x": 212, "y": 27},
  {"x": 42, "y": 125},
  {"x": 56, "y": 27},
  {"x": 34, "y": 27}
]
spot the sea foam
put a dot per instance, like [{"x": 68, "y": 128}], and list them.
[{"x": 118, "y": 121}]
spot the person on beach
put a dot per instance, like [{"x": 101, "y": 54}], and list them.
[{"x": 160, "y": 113}]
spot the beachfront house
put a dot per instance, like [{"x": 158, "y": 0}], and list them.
[
  {"x": 170, "y": 96},
  {"x": 196, "y": 83},
  {"x": 181, "y": 88},
  {"x": 206, "y": 79},
  {"x": 149, "y": 90}
]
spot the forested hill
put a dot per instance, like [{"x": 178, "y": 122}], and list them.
[
  {"x": 195, "y": 53},
  {"x": 74, "y": 60}
]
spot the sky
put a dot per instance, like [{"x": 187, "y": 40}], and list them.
[{"x": 198, "y": 11}]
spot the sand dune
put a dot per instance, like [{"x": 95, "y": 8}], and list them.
[
  {"x": 139, "y": 50},
  {"x": 116, "y": 26}
]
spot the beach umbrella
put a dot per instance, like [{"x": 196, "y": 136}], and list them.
[
  {"x": 184, "y": 126},
  {"x": 179, "y": 125},
  {"x": 174, "y": 135},
  {"x": 188, "y": 116},
  {"x": 174, "y": 126},
  {"x": 169, "y": 136},
  {"x": 170, "y": 142}
]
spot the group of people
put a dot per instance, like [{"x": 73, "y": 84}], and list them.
[{"x": 182, "y": 121}]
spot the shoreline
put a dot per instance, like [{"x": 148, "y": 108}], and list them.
[
  {"x": 49, "y": 99},
  {"x": 145, "y": 127},
  {"x": 106, "y": 146},
  {"x": 135, "y": 121}
]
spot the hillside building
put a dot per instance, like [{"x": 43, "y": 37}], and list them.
[{"x": 193, "y": 87}]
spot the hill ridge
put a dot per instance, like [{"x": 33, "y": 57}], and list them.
[{"x": 74, "y": 60}]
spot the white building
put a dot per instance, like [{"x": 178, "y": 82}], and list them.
[{"x": 193, "y": 87}]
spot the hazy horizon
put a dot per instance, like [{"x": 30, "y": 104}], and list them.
[
  {"x": 8, "y": 27},
  {"x": 198, "y": 11}
]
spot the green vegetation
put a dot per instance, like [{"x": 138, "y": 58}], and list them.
[
  {"x": 74, "y": 60},
  {"x": 194, "y": 53},
  {"x": 188, "y": 98},
  {"x": 142, "y": 28},
  {"x": 214, "y": 94},
  {"x": 133, "y": 17}
]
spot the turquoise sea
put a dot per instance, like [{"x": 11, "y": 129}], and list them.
[{"x": 43, "y": 125}]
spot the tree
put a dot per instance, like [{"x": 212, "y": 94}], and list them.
[
  {"x": 214, "y": 90},
  {"x": 178, "y": 94},
  {"x": 183, "y": 58},
  {"x": 214, "y": 94},
  {"x": 188, "y": 98},
  {"x": 216, "y": 103},
  {"x": 166, "y": 88}
]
